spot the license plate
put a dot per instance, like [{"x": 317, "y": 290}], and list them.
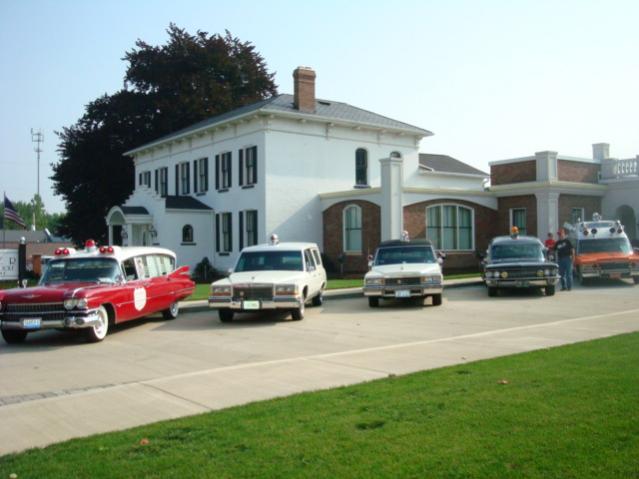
[
  {"x": 402, "y": 293},
  {"x": 523, "y": 284},
  {"x": 31, "y": 323},
  {"x": 614, "y": 275},
  {"x": 250, "y": 305}
]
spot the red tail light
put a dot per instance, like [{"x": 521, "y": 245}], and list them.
[
  {"x": 58, "y": 251},
  {"x": 106, "y": 249},
  {"x": 65, "y": 251}
]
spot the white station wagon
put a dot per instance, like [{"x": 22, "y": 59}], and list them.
[
  {"x": 404, "y": 269},
  {"x": 271, "y": 276}
]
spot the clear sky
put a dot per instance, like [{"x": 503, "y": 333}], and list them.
[{"x": 491, "y": 79}]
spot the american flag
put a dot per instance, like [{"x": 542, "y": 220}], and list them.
[{"x": 10, "y": 213}]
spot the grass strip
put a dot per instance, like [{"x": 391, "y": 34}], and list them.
[{"x": 568, "y": 412}]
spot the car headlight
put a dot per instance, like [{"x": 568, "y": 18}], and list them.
[
  {"x": 70, "y": 303},
  {"x": 221, "y": 290},
  {"x": 548, "y": 272},
  {"x": 492, "y": 274},
  {"x": 504, "y": 274},
  {"x": 82, "y": 303},
  {"x": 286, "y": 289},
  {"x": 540, "y": 272},
  {"x": 431, "y": 279},
  {"x": 374, "y": 281}
]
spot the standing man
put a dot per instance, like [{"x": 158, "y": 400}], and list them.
[{"x": 565, "y": 253}]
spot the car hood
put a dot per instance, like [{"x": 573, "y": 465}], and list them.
[
  {"x": 404, "y": 270},
  {"x": 248, "y": 277},
  {"x": 53, "y": 293}
]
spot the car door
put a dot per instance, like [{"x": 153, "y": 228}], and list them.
[
  {"x": 164, "y": 286},
  {"x": 314, "y": 277}
]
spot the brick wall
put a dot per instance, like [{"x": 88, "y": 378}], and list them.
[
  {"x": 485, "y": 221},
  {"x": 591, "y": 204},
  {"x": 513, "y": 172},
  {"x": 506, "y": 204},
  {"x": 578, "y": 171},
  {"x": 334, "y": 235}
]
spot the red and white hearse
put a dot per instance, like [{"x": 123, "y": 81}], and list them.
[{"x": 90, "y": 289}]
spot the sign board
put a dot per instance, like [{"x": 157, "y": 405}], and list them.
[{"x": 8, "y": 264}]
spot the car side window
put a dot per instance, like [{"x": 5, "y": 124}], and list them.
[
  {"x": 317, "y": 256},
  {"x": 141, "y": 267},
  {"x": 152, "y": 267},
  {"x": 308, "y": 259},
  {"x": 130, "y": 273}
]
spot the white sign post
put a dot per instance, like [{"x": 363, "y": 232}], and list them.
[{"x": 8, "y": 264}]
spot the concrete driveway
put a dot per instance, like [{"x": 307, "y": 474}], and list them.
[{"x": 55, "y": 386}]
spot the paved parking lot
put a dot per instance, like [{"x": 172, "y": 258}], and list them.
[{"x": 55, "y": 386}]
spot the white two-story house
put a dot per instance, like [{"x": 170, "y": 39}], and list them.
[{"x": 307, "y": 170}]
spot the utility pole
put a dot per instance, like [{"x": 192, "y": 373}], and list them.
[{"x": 37, "y": 137}]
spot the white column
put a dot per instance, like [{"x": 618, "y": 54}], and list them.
[
  {"x": 392, "y": 185},
  {"x": 547, "y": 213},
  {"x": 129, "y": 233},
  {"x": 546, "y": 165},
  {"x": 110, "y": 234}
]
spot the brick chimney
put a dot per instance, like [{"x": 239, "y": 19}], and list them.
[{"x": 304, "y": 89}]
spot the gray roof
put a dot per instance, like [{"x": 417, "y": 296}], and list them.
[
  {"x": 324, "y": 109},
  {"x": 134, "y": 210},
  {"x": 447, "y": 164},
  {"x": 185, "y": 203},
  {"x": 30, "y": 236}
]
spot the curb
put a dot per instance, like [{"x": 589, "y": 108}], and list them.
[{"x": 332, "y": 294}]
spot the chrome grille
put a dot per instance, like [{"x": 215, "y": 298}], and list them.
[
  {"x": 402, "y": 281},
  {"x": 43, "y": 310},
  {"x": 614, "y": 266},
  {"x": 263, "y": 292},
  {"x": 520, "y": 273}
]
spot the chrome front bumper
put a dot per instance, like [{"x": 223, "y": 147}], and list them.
[
  {"x": 283, "y": 302},
  {"x": 83, "y": 321},
  {"x": 521, "y": 282},
  {"x": 415, "y": 290},
  {"x": 610, "y": 274}
]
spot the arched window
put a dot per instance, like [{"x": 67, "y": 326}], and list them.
[
  {"x": 361, "y": 167},
  {"x": 395, "y": 154},
  {"x": 187, "y": 234},
  {"x": 450, "y": 227},
  {"x": 352, "y": 224}
]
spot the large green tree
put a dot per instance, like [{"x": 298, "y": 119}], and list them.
[{"x": 167, "y": 87}]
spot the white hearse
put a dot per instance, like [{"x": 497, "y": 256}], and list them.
[
  {"x": 271, "y": 276},
  {"x": 404, "y": 269}
]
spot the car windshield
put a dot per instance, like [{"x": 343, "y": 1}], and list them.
[
  {"x": 404, "y": 254},
  {"x": 270, "y": 261},
  {"x": 99, "y": 270},
  {"x": 607, "y": 245},
  {"x": 508, "y": 251}
]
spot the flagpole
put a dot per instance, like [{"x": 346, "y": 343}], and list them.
[{"x": 4, "y": 223}]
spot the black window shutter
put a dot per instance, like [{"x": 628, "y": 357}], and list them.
[
  {"x": 205, "y": 186},
  {"x": 195, "y": 176},
  {"x": 157, "y": 185},
  {"x": 217, "y": 172},
  {"x": 217, "y": 233},
  {"x": 139, "y": 178},
  {"x": 230, "y": 229},
  {"x": 177, "y": 180},
  {"x": 241, "y": 230},
  {"x": 255, "y": 227},
  {"x": 188, "y": 178},
  {"x": 230, "y": 168},
  {"x": 241, "y": 163},
  {"x": 254, "y": 164}
]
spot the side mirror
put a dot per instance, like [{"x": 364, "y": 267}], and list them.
[
  {"x": 440, "y": 261},
  {"x": 229, "y": 271},
  {"x": 441, "y": 255}
]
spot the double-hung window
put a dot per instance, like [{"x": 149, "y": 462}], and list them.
[
  {"x": 361, "y": 168},
  {"x": 185, "y": 174},
  {"x": 518, "y": 219},
  {"x": 352, "y": 222},
  {"x": 223, "y": 172},
  {"x": 201, "y": 175},
  {"x": 164, "y": 182},
  {"x": 248, "y": 228},
  {"x": 248, "y": 166},
  {"x": 223, "y": 233},
  {"x": 576, "y": 215},
  {"x": 145, "y": 179},
  {"x": 450, "y": 227}
]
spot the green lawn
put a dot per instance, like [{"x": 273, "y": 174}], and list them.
[{"x": 568, "y": 412}]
